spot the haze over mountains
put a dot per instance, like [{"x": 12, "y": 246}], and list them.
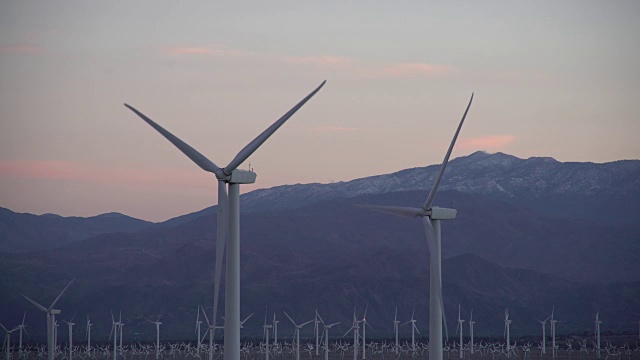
[{"x": 530, "y": 234}]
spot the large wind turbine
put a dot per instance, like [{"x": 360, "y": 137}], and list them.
[
  {"x": 228, "y": 219},
  {"x": 431, "y": 216},
  {"x": 51, "y": 320}
]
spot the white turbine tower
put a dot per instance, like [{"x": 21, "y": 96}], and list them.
[
  {"x": 471, "y": 322},
  {"x": 89, "y": 325},
  {"x": 507, "y": 323},
  {"x": 544, "y": 335},
  {"x": 296, "y": 334},
  {"x": 364, "y": 333},
  {"x": 7, "y": 341},
  {"x": 158, "y": 323},
  {"x": 228, "y": 219},
  {"x": 198, "y": 323},
  {"x": 414, "y": 328},
  {"x": 70, "y": 324},
  {"x": 553, "y": 334},
  {"x": 396, "y": 323},
  {"x": 266, "y": 328},
  {"x": 51, "y": 321},
  {"x": 431, "y": 217},
  {"x": 326, "y": 336},
  {"x": 356, "y": 332},
  {"x": 120, "y": 325},
  {"x": 114, "y": 331},
  {"x": 275, "y": 330},
  {"x": 459, "y": 328},
  {"x": 22, "y": 327},
  {"x": 597, "y": 331},
  {"x": 317, "y": 331}
]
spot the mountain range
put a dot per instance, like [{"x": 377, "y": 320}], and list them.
[{"x": 530, "y": 234}]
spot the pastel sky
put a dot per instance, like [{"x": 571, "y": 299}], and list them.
[{"x": 551, "y": 78}]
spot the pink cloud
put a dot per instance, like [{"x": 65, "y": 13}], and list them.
[
  {"x": 214, "y": 50},
  {"x": 321, "y": 60},
  {"x": 410, "y": 69},
  {"x": 487, "y": 142},
  {"x": 22, "y": 49},
  {"x": 325, "y": 129},
  {"x": 96, "y": 173}
]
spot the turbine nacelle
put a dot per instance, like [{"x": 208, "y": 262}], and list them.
[
  {"x": 438, "y": 213},
  {"x": 242, "y": 177}
]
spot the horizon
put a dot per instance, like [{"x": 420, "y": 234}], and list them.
[{"x": 321, "y": 183}]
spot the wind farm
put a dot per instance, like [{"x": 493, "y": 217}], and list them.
[{"x": 502, "y": 136}]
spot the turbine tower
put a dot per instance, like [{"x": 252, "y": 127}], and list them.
[
  {"x": 7, "y": 340},
  {"x": 70, "y": 323},
  {"x": 431, "y": 216},
  {"x": 22, "y": 328},
  {"x": 297, "y": 333},
  {"x": 459, "y": 328},
  {"x": 598, "y": 322},
  {"x": 228, "y": 219},
  {"x": 158, "y": 323},
  {"x": 507, "y": 323},
  {"x": 471, "y": 322},
  {"x": 396, "y": 322},
  {"x": 51, "y": 320},
  {"x": 544, "y": 335},
  {"x": 364, "y": 333},
  {"x": 89, "y": 325},
  {"x": 414, "y": 328}
]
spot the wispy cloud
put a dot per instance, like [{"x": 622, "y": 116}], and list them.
[
  {"x": 210, "y": 50},
  {"x": 490, "y": 142},
  {"x": 88, "y": 172},
  {"x": 401, "y": 70},
  {"x": 22, "y": 49},
  {"x": 327, "y": 129},
  {"x": 339, "y": 63},
  {"x": 319, "y": 60}
]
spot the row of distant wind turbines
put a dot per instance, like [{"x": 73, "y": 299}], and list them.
[{"x": 117, "y": 331}]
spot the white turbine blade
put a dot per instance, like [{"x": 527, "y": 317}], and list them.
[
  {"x": 290, "y": 319},
  {"x": 221, "y": 239},
  {"x": 394, "y": 210},
  {"x": 416, "y": 327},
  {"x": 191, "y": 153},
  {"x": 305, "y": 323},
  {"x": 245, "y": 319},
  {"x": 35, "y": 303},
  {"x": 205, "y": 317},
  {"x": 395, "y": 317},
  {"x": 61, "y": 292},
  {"x": 24, "y": 317},
  {"x": 432, "y": 193},
  {"x": 4, "y": 328},
  {"x": 260, "y": 139}
]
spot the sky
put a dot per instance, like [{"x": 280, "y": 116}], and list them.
[{"x": 551, "y": 78}]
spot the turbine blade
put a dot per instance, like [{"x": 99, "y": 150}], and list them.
[
  {"x": 432, "y": 193},
  {"x": 290, "y": 319},
  {"x": 305, "y": 323},
  {"x": 415, "y": 326},
  {"x": 221, "y": 240},
  {"x": 394, "y": 210},
  {"x": 24, "y": 317},
  {"x": 61, "y": 292},
  {"x": 191, "y": 153},
  {"x": 4, "y": 328},
  {"x": 205, "y": 317},
  {"x": 260, "y": 139},
  {"x": 35, "y": 303}
]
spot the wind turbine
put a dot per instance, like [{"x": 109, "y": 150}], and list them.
[
  {"x": 70, "y": 323},
  {"x": 266, "y": 328},
  {"x": 317, "y": 330},
  {"x": 553, "y": 334},
  {"x": 544, "y": 336},
  {"x": 395, "y": 329},
  {"x": 326, "y": 336},
  {"x": 22, "y": 327},
  {"x": 198, "y": 322},
  {"x": 114, "y": 330},
  {"x": 89, "y": 325},
  {"x": 364, "y": 333},
  {"x": 414, "y": 328},
  {"x": 507, "y": 323},
  {"x": 51, "y": 320},
  {"x": 275, "y": 330},
  {"x": 356, "y": 332},
  {"x": 471, "y": 322},
  {"x": 431, "y": 216},
  {"x": 158, "y": 323},
  {"x": 297, "y": 333},
  {"x": 7, "y": 340},
  {"x": 120, "y": 325},
  {"x": 228, "y": 219},
  {"x": 459, "y": 327},
  {"x": 598, "y": 322}
]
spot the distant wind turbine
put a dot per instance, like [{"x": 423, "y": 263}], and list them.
[
  {"x": 157, "y": 323},
  {"x": 89, "y": 325},
  {"x": 431, "y": 216},
  {"x": 507, "y": 323},
  {"x": 22, "y": 328},
  {"x": 597, "y": 331},
  {"x": 296, "y": 335},
  {"x": 7, "y": 340},
  {"x": 228, "y": 219},
  {"x": 356, "y": 332},
  {"x": 459, "y": 328},
  {"x": 70, "y": 323},
  {"x": 471, "y": 322},
  {"x": 51, "y": 321},
  {"x": 414, "y": 328},
  {"x": 396, "y": 323}
]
